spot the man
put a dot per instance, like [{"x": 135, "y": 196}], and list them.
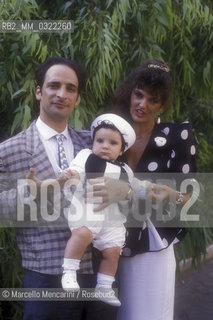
[{"x": 59, "y": 82}]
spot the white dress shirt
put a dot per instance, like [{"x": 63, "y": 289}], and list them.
[{"x": 47, "y": 136}]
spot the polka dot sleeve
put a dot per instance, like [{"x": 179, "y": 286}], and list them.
[{"x": 182, "y": 154}]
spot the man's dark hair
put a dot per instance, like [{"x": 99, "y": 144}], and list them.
[{"x": 42, "y": 69}]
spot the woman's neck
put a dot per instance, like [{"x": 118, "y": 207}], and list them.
[{"x": 143, "y": 130}]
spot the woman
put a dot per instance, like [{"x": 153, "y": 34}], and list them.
[{"x": 147, "y": 268}]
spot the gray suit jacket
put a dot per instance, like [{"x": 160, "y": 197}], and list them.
[{"x": 42, "y": 247}]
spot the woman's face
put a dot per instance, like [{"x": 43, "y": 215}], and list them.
[{"x": 144, "y": 106}]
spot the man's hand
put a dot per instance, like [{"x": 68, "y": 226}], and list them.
[
  {"x": 31, "y": 176},
  {"x": 105, "y": 191},
  {"x": 34, "y": 182},
  {"x": 67, "y": 175}
]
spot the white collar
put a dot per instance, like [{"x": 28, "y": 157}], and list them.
[{"x": 47, "y": 132}]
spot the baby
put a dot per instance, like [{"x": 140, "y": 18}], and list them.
[{"x": 111, "y": 135}]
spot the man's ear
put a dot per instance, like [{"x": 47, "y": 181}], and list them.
[{"x": 38, "y": 93}]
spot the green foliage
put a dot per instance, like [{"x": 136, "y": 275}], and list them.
[
  {"x": 110, "y": 38},
  {"x": 194, "y": 249}
]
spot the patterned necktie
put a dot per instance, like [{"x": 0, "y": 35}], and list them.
[{"x": 61, "y": 152}]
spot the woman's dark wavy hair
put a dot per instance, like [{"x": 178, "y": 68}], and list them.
[{"x": 155, "y": 80}]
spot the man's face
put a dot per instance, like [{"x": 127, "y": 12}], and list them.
[{"x": 58, "y": 95}]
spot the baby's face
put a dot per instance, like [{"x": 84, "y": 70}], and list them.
[{"x": 107, "y": 144}]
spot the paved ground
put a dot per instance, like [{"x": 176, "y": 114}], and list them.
[{"x": 194, "y": 294}]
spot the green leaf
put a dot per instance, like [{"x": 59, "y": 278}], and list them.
[
  {"x": 157, "y": 48},
  {"x": 163, "y": 21},
  {"x": 10, "y": 88},
  {"x": 157, "y": 6},
  {"x": 17, "y": 121},
  {"x": 206, "y": 12},
  {"x": 3, "y": 78},
  {"x": 26, "y": 117},
  {"x": 18, "y": 93}
]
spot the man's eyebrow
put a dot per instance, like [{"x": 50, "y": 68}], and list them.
[
  {"x": 72, "y": 85},
  {"x": 58, "y": 82},
  {"x": 53, "y": 82}
]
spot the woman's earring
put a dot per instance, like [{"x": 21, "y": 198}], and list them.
[{"x": 158, "y": 119}]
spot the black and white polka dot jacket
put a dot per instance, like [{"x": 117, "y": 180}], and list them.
[{"x": 170, "y": 150}]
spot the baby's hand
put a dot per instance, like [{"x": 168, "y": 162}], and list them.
[{"x": 68, "y": 174}]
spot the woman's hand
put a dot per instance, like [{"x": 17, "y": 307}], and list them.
[{"x": 163, "y": 192}]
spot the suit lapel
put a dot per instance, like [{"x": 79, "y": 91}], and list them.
[
  {"x": 39, "y": 159},
  {"x": 78, "y": 142}
]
